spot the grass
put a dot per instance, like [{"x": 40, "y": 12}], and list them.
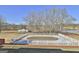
[
  {"x": 75, "y": 36},
  {"x": 9, "y": 35}
]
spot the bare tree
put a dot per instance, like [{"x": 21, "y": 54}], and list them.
[
  {"x": 2, "y": 22},
  {"x": 51, "y": 20}
]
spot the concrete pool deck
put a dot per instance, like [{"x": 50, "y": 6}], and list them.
[
  {"x": 63, "y": 48},
  {"x": 61, "y": 39},
  {"x": 59, "y": 45}
]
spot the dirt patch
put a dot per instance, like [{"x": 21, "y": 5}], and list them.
[
  {"x": 9, "y": 36},
  {"x": 76, "y": 36}
]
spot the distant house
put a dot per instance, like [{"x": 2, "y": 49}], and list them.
[{"x": 23, "y": 30}]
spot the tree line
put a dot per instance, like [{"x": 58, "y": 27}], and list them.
[
  {"x": 48, "y": 20},
  {"x": 51, "y": 20}
]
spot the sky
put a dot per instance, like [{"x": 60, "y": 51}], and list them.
[{"x": 14, "y": 14}]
